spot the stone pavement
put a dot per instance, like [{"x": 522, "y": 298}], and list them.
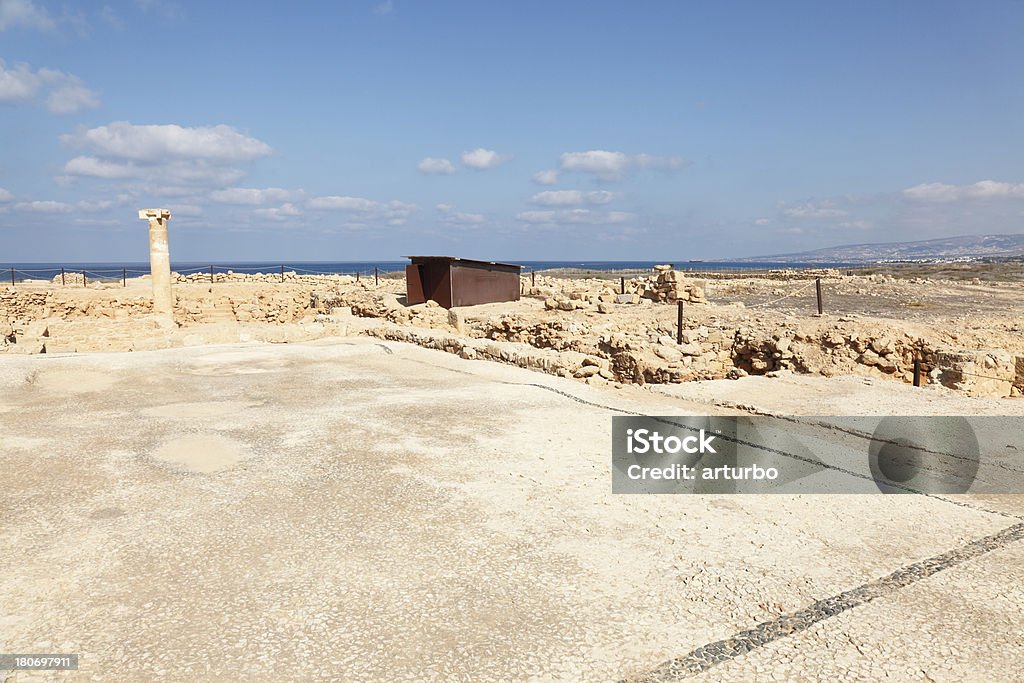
[{"x": 356, "y": 510}]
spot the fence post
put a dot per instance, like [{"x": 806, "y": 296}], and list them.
[
  {"x": 211, "y": 275},
  {"x": 679, "y": 321},
  {"x": 12, "y": 277},
  {"x": 817, "y": 286},
  {"x": 533, "y": 278},
  {"x": 124, "y": 277},
  {"x": 917, "y": 372},
  {"x": 282, "y": 272},
  {"x": 85, "y": 279},
  {"x": 622, "y": 284},
  {"x": 357, "y": 276},
  {"x": 376, "y": 276},
  {"x": 62, "y": 276}
]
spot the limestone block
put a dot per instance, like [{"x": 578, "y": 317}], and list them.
[
  {"x": 457, "y": 320},
  {"x": 985, "y": 372},
  {"x": 668, "y": 353},
  {"x": 691, "y": 349}
]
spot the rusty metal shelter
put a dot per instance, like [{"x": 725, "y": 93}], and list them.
[{"x": 452, "y": 281}]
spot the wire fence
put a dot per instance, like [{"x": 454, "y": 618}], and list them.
[
  {"x": 77, "y": 274},
  {"x": 65, "y": 276},
  {"x": 796, "y": 291}
]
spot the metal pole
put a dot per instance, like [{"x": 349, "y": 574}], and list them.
[
  {"x": 817, "y": 285},
  {"x": 12, "y": 277},
  {"x": 679, "y": 321},
  {"x": 62, "y": 276},
  {"x": 917, "y": 372},
  {"x": 376, "y": 276},
  {"x": 622, "y": 284},
  {"x": 124, "y": 277}
]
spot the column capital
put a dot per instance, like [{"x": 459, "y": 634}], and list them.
[{"x": 154, "y": 214}]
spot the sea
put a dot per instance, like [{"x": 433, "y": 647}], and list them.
[{"x": 117, "y": 270}]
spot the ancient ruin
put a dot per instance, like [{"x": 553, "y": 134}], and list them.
[
  {"x": 160, "y": 262},
  {"x": 598, "y": 330}
]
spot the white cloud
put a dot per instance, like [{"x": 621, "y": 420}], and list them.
[
  {"x": 545, "y": 177},
  {"x": 614, "y": 165},
  {"x": 48, "y": 206},
  {"x": 433, "y": 166},
  {"x": 575, "y": 216},
  {"x": 648, "y": 161},
  {"x": 183, "y": 210},
  {"x": 280, "y": 213},
  {"x": 72, "y": 97},
  {"x": 248, "y": 195},
  {"x": 24, "y": 13},
  {"x": 384, "y": 8},
  {"x": 572, "y": 197},
  {"x": 451, "y": 216},
  {"x": 18, "y": 84},
  {"x": 169, "y": 10},
  {"x": 163, "y": 156},
  {"x": 65, "y": 93},
  {"x": 160, "y": 143},
  {"x": 177, "y": 174},
  {"x": 857, "y": 225},
  {"x": 984, "y": 189},
  {"x": 108, "y": 16},
  {"x": 364, "y": 211},
  {"x": 94, "y": 205},
  {"x": 595, "y": 161},
  {"x": 762, "y": 221},
  {"x": 811, "y": 210},
  {"x": 482, "y": 159},
  {"x": 5, "y": 196},
  {"x": 933, "y": 192},
  {"x": 98, "y": 168},
  {"x": 343, "y": 203},
  {"x": 198, "y": 173}
]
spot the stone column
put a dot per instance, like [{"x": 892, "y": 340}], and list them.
[{"x": 159, "y": 261}]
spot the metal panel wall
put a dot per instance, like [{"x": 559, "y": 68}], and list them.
[
  {"x": 437, "y": 284},
  {"x": 414, "y": 285},
  {"x": 460, "y": 282},
  {"x": 483, "y": 283}
]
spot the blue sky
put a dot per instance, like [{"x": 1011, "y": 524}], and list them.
[{"x": 572, "y": 130}]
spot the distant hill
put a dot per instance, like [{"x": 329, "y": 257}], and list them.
[{"x": 946, "y": 248}]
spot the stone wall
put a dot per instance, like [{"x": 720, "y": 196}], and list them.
[
  {"x": 636, "y": 345},
  {"x": 984, "y": 372},
  {"x": 670, "y": 286},
  {"x": 35, "y": 305},
  {"x": 290, "y": 276}
]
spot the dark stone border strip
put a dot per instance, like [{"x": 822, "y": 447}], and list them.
[{"x": 707, "y": 656}]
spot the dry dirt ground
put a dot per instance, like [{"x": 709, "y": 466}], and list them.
[
  {"x": 973, "y": 306},
  {"x": 353, "y": 510}
]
